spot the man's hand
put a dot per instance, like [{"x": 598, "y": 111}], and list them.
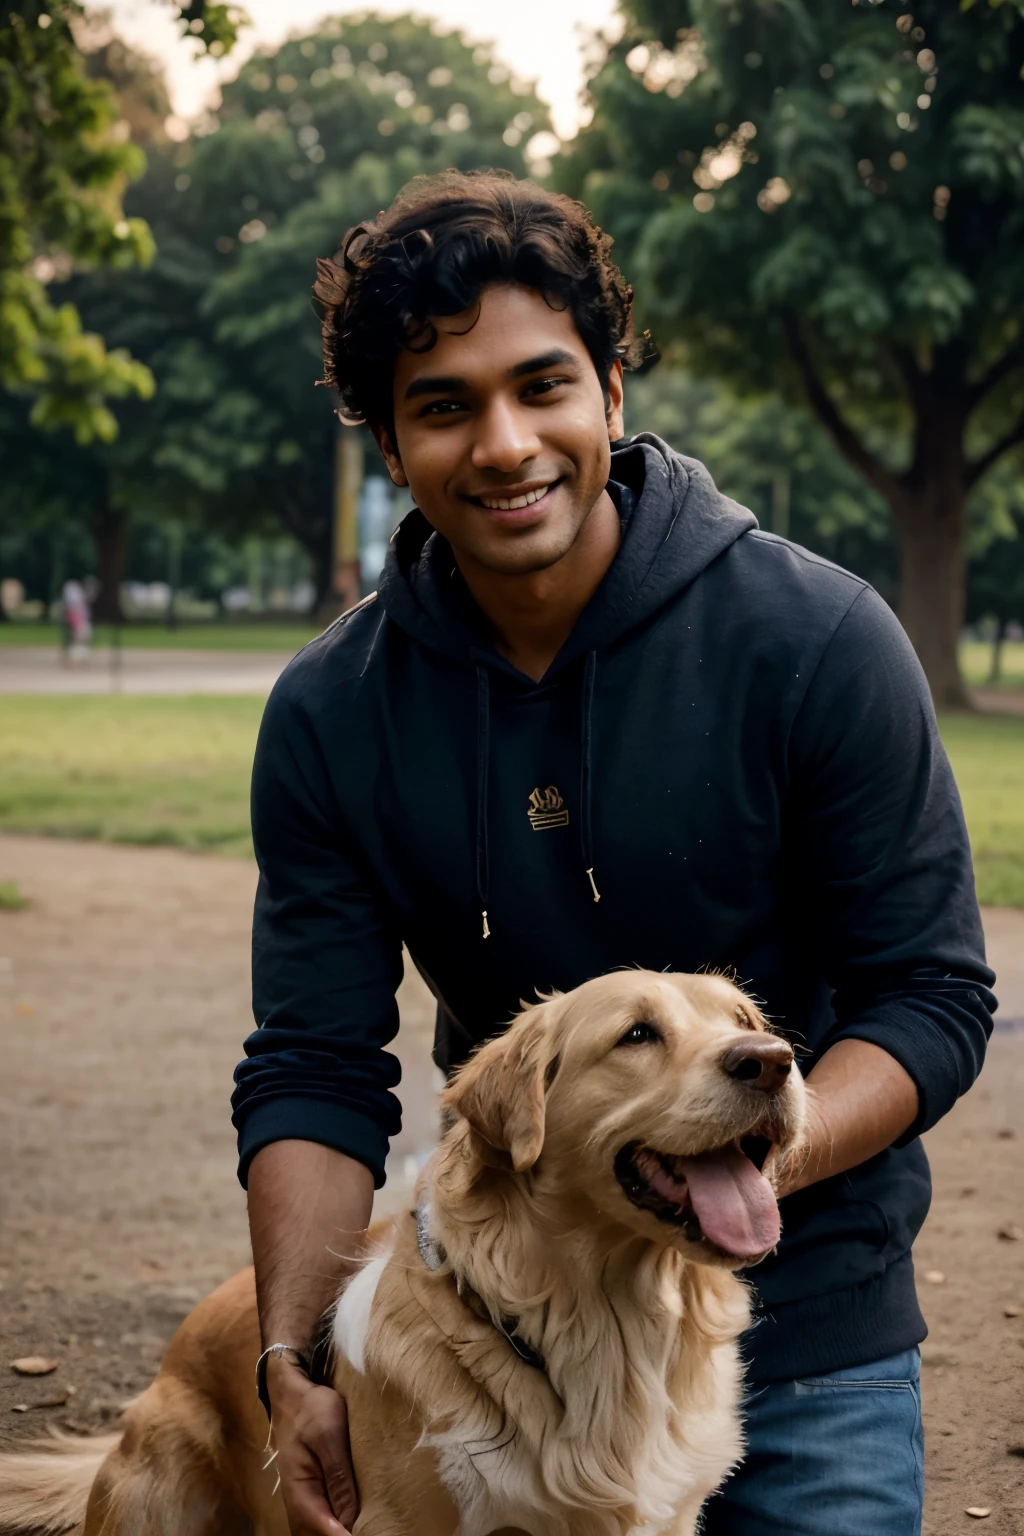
[
  {"x": 309, "y": 1207},
  {"x": 860, "y": 1101},
  {"x": 318, "y": 1484}
]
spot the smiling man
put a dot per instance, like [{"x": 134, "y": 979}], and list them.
[{"x": 596, "y": 718}]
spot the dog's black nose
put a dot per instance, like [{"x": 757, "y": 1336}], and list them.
[{"x": 761, "y": 1062}]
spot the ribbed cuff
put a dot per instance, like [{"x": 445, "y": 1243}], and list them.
[
  {"x": 864, "y": 1322},
  {"x": 297, "y": 1118}
]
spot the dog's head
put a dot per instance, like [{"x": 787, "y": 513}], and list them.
[{"x": 653, "y": 1099}]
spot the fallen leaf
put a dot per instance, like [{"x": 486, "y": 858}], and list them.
[
  {"x": 969, "y": 1189},
  {"x": 19, "y": 1407},
  {"x": 1006, "y": 1134},
  {"x": 25, "y": 1010},
  {"x": 34, "y": 1365},
  {"x": 1012, "y": 1311},
  {"x": 977, "y": 1512},
  {"x": 55, "y": 1400},
  {"x": 1011, "y": 1233},
  {"x": 148, "y": 1270},
  {"x": 935, "y": 1277}
]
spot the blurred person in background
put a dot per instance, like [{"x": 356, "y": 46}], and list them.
[
  {"x": 75, "y": 622},
  {"x": 595, "y": 717}
]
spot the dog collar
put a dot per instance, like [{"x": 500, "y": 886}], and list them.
[{"x": 435, "y": 1257}]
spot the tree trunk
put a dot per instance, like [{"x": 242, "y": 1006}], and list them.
[
  {"x": 110, "y": 531},
  {"x": 932, "y": 521},
  {"x": 996, "y": 669}
]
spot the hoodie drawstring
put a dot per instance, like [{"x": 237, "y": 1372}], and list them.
[
  {"x": 483, "y": 759},
  {"x": 586, "y": 770}
]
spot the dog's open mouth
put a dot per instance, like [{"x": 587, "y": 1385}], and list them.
[{"x": 720, "y": 1196}]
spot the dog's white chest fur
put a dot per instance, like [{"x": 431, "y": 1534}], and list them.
[{"x": 500, "y": 1481}]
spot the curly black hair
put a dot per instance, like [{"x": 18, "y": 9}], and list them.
[{"x": 442, "y": 241}]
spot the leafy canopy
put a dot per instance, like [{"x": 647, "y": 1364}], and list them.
[
  {"x": 66, "y": 159},
  {"x": 839, "y": 187}
]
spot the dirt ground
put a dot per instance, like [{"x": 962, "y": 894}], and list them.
[{"x": 123, "y": 1002}]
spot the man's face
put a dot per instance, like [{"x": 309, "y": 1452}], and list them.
[{"x": 509, "y": 411}]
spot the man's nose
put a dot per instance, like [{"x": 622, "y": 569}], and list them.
[
  {"x": 762, "y": 1062},
  {"x": 504, "y": 439}
]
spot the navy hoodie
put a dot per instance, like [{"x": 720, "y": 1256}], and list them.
[{"x": 735, "y": 749}]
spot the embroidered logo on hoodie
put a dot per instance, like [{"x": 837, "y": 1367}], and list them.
[{"x": 547, "y": 809}]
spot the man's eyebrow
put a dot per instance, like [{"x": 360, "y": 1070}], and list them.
[
  {"x": 436, "y": 384},
  {"x": 451, "y": 384},
  {"x": 557, "y": 357}
]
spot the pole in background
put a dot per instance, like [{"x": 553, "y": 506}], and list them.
[
  {"x": 175, "y": 540},
  {"x": 348, "y": 483},
  {"x": 781, "y": 496},
  {"x": 116, "y": 658}
]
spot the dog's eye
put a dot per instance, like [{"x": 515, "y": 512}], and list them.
[
  {"x": 641, "y": 1033},
  {"x": 743, "y": 1019}
]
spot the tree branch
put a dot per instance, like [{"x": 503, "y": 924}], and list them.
[
  {"x": 912, "y": 376},
  {"x": 827, "y": 412},
  {"x": 1012, "y": 358},
  {"x": 978, "y": 467}
]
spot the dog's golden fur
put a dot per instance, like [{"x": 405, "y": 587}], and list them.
[{"x": 633, "y": 1420}]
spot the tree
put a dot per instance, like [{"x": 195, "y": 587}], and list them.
[
  {"x": 65, "y": 161},
  {"x": 63, "y": 169},
  {"x": 85, "y": 492},
  {"x": 995, "y": 586},
  {"x": 828, "y": 200},
  {"x": 775, "y": 459},
  {"x": 308, "y": 141}
]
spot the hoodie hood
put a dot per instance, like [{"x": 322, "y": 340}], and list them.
[{"x": 680, "y": 524}]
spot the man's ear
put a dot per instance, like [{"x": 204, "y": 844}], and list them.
[
  {"x": 389, "y": 453},
  {"x": 501, "y": 1089}
]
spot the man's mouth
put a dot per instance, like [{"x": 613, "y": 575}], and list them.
[
  {"x": 720, "y": 1196},
  {"x": 519, "y": 500}
]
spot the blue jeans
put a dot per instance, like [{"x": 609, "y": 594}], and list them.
[{"x": 837, "y": 1455}]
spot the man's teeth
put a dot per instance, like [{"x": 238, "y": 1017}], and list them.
[{"x": 517, "y": 501}]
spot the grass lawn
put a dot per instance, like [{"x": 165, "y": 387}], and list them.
[
  {"x": 175, "y": 771},
  {"x": 229, "y": 636},
  {"x": 172, "y": 771},
  {"x": 976, "y": 661},
  {"x": 987, "y": 753}
]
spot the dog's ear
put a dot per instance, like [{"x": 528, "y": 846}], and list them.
[{"x": 501, "y": 1089}]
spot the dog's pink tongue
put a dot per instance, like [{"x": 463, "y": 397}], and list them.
[{"x": 733, "y": 1202}]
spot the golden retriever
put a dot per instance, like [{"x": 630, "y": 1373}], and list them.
[{"x": 547, "y": 1344}]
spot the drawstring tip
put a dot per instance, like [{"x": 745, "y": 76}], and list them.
[
  {"x": 487, "y": 926},
  {"x": 593, "y": 885}
]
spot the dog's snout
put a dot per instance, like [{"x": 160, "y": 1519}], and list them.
[{"x": 762, "y": 1063}]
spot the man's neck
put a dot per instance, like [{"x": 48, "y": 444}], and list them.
[{"x": 533, "y": 615}]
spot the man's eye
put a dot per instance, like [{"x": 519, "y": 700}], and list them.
[
  {"x": 545, "y": 386},
  {"x": 641, "y": 1033},
  {"x": 442, "y": 408}
]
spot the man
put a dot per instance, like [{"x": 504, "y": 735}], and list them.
[{"x": 594, "y": 717}]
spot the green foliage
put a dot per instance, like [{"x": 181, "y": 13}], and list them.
[
  {"x": 827, "y": 202},
  {"x": 773, "y": 458},
  {"x": 63, "y": 167},
  {"x": 214, "y": 27},
  {"x": 309, "y": 140},
  {"x": 758, "y": 160}
]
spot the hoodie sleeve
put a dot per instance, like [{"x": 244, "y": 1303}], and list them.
[
  {"x": 884, "y": 851},
  {"x": 326, "y": 963}
]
